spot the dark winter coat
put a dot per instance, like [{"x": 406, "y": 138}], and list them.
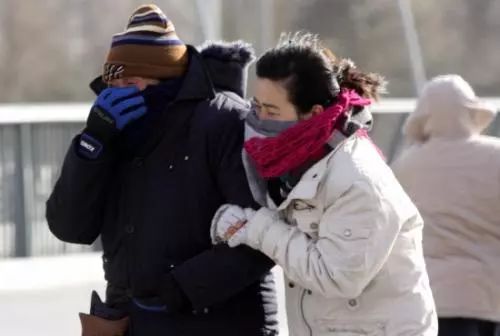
[{"x": 153, "y": 211}]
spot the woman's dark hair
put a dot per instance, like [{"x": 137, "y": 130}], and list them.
[{"x": 311, "y": 73}]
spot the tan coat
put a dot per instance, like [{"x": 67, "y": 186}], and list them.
[
  {"x": 453, "y": 175},
  {"x": 352, "y": 252}
]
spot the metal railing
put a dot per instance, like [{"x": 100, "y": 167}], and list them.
[{"x": 34, "y": 139}]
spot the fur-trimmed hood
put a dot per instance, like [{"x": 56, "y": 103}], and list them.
[{"x": 228, "y": 63}]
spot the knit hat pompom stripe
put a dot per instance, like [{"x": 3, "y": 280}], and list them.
[
  {"x": 148, "y": 29},
  {"x": 150, "y": 17},
  {"x": 144, "y": 10},
  {"x": 149, "y": 47},
  {"x": 150, "y": 26}
]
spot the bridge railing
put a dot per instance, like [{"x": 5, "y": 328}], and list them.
[{"x": 35, "y": 137}]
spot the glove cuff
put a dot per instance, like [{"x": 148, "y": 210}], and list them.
[
  {"x": 215, "y": 223},
  {"x": 100, "y": 124},
  {"x": 98, "y": 135}
]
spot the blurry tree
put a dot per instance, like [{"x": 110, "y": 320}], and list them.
[
  {"x": 457, "y": 36},
  {"x": 51, "y": 49},
  {"x": 462, "y": 36}
]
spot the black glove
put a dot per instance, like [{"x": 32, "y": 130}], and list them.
[
  {"x": 100, "y": 309},
  {"x": 169, "y": 297},
  {"x": 98, "y": 85},
  {"x": 113, "y": 109}
]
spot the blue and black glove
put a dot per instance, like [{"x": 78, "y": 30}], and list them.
[{"x": 113, "y": 109}]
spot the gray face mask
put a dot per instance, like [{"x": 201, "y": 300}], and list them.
[
  {"x": 267, "y": 128},
  {"x": 255, "y": 127}
]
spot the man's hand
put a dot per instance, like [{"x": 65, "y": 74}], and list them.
[
  {"x": 113, "y": 109},
  {"x": 117, "y": 107}
]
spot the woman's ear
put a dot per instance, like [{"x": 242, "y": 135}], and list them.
[{"x": 316, "y": 109}]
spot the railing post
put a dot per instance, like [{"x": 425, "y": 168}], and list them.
[{"x": 24, "y": 201}]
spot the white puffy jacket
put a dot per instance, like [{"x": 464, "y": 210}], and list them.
[{"x": 350, "y": 243}]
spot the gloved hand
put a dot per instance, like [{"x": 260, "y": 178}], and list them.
[
  {"x": 167, "y": 297},
  {"x": 103, "y": 320},
  {"x": 229, "y": 224},
  {"x": 99, "y": 308},
  {"x": 113, "y": 109}
]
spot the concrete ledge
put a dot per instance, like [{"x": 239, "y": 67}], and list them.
[{"x": 77, "y": 112}]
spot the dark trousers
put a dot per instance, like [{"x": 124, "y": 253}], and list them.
[{"x": 467, "y": 327}]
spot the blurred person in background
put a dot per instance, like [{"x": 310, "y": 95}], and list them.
[
  {"x": 160, "y": 153},
  {"x": 452, "y": 173},
  {"x": 333, "y": 215}
]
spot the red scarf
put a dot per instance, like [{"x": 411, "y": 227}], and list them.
[{"x": 303, "y": 142}]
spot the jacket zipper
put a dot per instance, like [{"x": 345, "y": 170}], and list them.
[{"x": 302, "y": 312}]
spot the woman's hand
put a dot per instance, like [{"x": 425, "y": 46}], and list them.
[{"x": 229, "y": 225}]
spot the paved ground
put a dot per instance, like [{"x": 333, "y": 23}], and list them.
[
  {"x": 33, "y": 301},
  {"x": 44, "y": 312}
]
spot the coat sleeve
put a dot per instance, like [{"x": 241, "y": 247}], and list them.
[
  {"x": 74, "y": 209},
  {"x": 356, "y": 235},
  {"x": 226, "y": 158},
  {"x": 222, "y": 272}
]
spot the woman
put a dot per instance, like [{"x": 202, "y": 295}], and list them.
[
  {"x": 335, "y": 219},
  {"x": 452, "y": 173}
]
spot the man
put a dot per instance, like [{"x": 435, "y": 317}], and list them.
[{"x": 161, "y": 151}]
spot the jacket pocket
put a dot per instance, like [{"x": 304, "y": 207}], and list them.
[
  {"x": 347, "y": 233},
  {"x": 306, "y": 216},
  {"x": 351, "y": 328}
]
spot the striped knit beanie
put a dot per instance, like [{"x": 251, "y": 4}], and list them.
[{"x": 149, "y": 47}]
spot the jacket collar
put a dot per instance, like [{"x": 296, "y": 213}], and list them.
[
  {"x": 307, "y": 188},
  {"x": 197, "y": 84}
]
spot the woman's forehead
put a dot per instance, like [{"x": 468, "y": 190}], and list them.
[{"x": 270, "y": 91}]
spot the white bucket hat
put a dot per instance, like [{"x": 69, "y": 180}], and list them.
[{"x": 448, "y": 108}]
